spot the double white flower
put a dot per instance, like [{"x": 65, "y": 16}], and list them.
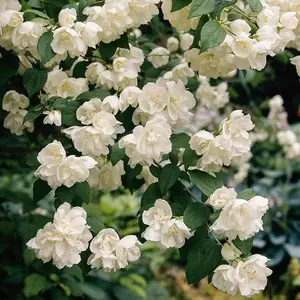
[{"x": 63, "y": 240}]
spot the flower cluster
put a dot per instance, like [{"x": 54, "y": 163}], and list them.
[
  {"x": 64, "y": 239},
  {"x": 112, "y": 253},
  {"x": 123, "y": 71},
  {"x": 58, "y": 169},
  {"x": 16, "y": 105},
  {"x": 232, "y": 140},
  {"x": 277, "y": 115},
  {"x": 243, "y": 50},
  {"x": 249, "y": 277},
  {"x": 288, "y": 139},
  {"x": 162, "y": 229},
  {"x": 238, "y": 217}
]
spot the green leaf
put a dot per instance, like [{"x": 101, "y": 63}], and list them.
[
  {"x": 97, "y": 93},
  {"x": 116, "y": 154},
  {"x": 40, "y": 190},
  {"x": 179, "y": 4},
  {"x": 179, "y": 199},
  {"x": 65, "y": 194},
  {"x": 37, "y": 12},
  {"x": 201, "y": 7},
  {"x": 255, "y": 5},
  {"x": 35, "y": 284},
  {"x": 173, "y": 156},
  {"x": 190, "y": 157},
  {"x": 212, "y": 35},
  {"x": 9, "y": 67},
  {"x": 244, "y": 246},
  {"x": 168, "y": 177},
  {"x": 202, "y": 260},
  {"x": 155, "y": 171},
  {"x": 150, "y": 196},
  {"x": 80, "y": 69},
  {"x": 35, "y": 3},
  {"x": 206, "y": 183},
  {"x": 246, "y": 194},
  {"x": 58, "y": 3},
  {"x": 203, "y": 20},
  {"x": 180, "y": 140},
  {"x": 195, "y": 215},
  {"x": 83, "y": 191},
  {"x": 44, "y": 47},
  {"x": 108, "y": 50},
  {"x": 220, "y": 7},
  {"x": 69, "y": 113},
  {"x": 32, "y": 115},
  {"x": 34, "y": 80},
  {"x": 95, "y": 223}
]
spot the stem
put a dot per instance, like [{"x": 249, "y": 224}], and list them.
[{"x": 215, "y": 238}]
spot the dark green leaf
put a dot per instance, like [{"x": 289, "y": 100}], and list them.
[
  {"x": 173, "y": 156},
  {"x": 202, "y": 260},
  {"x": 180, "y": 140},
  {"x": 201, "y": 7},
  {"x": 9, "y": 67},
  {"x": 203, "y": 20},
  {"x": 97, "y": 93},
  {"x": 65, "y": 194},
  {"x": 35, "y": 284},
  {"x": 206, "y": 183},
  {"x": 246, "y": 194},
  {"x": 190, "y": 157},
  {"x": 179, "y": 4},
  {"x": 155, "y": 171},
  {"x": 220, "y": 7},
  {"x": 35, "y": 3},
  {"x": 179, "y": 199},
  {"x": 58, "y": 3},
  {"x": 108, "y": 50},
  {"x": 69, "y": 113},
  {"x": 150, "y": 196},
  {"x": 95, "y": 223},
  {"x": 83, "y": 191},
  {"x": 116, "y": 154},
  {"x": 36, "y": 12},
  {"x": 80, "y": 69},
  {"x": 255, "y": 5},
  {"x": 168, "y": 177},
  {"x": 212, "y": 35},
  {"x": 40, "y": 190},
  {"x": 195, "y": 215},
  {"x": 44, "y": 47},
  {"x": 34, "y": 80},
  {"x": 32, "y": 115},
  {"x": 244, "y": 246}
]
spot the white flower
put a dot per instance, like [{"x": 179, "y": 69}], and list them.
[
  {"x": 293, "y": 151},
  {"x": 153, "y": 140},
  {"x": 221, "y": 197},
  {"x": 52, "y": 117},
  {"x": 200, "y": 141},
  {"x": 252, "y": 275},
  {"x": 174, "y": 233},
  {"x": 67, "y": 40},
  {"x": 54, "y": 80},
  {"x": 107, "y": 177},
  {"x": 180, "y": 72},
  {"x": 172, "y": 44},
  {"x": 107, "y": 123},
  {"x": 276, "y": 103},
  {"x": 15, "y": 122},
  {"x": 52, "y": 155},
  {"x": 230, "y": 252},
  {"x": 155, "y": 218},
  {"x": 75, "y": 169},
  {"x": 93, "y": 72},
  {"x": 225, "y": 280},
  {"x": 67, "y": 17},
  {"x": 129, "y": 97},
  {"x": 103, "y": 248},
  {"x": 269, "y": 16},
  {"x": 241, "y": 218},
  {"x": 289, "y": 20},
  {"x": 87, "y": 110},
  {"x": 242, "y": 46},
  {"x": 181, "y": 100},
  {"x": 186, "y": 41},
  {"x": 286, "y": 137},
  {"x": 48, "y": 174},
  {"x": 27, "y": 35},
  {"x": 110, "y": 104},
  {"x": 240, "y": 28},
  {"x": 11, "y": 18},
  {"x": 296, "y": 61},
  {"x": 106, "y": 80},
  {"x": 13, "y": 101},
  {"x": 128, "y": 250},
  {"x": 154, "y": 97},
  {"x": 72, "y": 87},
  {"x": 89, "y": 32},
  {"x": 159, "y": 57},
  {"x": 10, "y": 5},
  {"x": 63, "y": 240}
]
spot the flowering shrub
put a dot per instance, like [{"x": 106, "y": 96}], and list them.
[{"x": 118, "y": 122}]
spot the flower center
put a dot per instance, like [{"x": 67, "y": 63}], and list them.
[{"x": 152, "y": 137}]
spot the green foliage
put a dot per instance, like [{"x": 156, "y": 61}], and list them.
[
  {"x": 190, "y": 157},
  {"x": 108, "y": 50},
  {"x": 196, "y": 215},
  {"x": 40, "y": 190},
  {"x": 179, "y": 4},
  {"x": 168, "y": 177},
  {"x": 96, "y": 224},
  {"x": 180, "y": 140},
  {"x": 9, "y": 66},
  {"x": 212, "y": 35},
  {"x": 206, "y": 183},
  {"x": 255, "y": 5},
  {"x": 116, "y": 154},
  {"x": 97, "y": 93},
  {"x": 244, "y": 246},
  {"x": 35, "y": 284},
  {"x": 149, "y": 197},
  {"x": 202, "y": 7},
  {"x": 246, "y": 194},
  {"x": 34, "y": 80}
]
